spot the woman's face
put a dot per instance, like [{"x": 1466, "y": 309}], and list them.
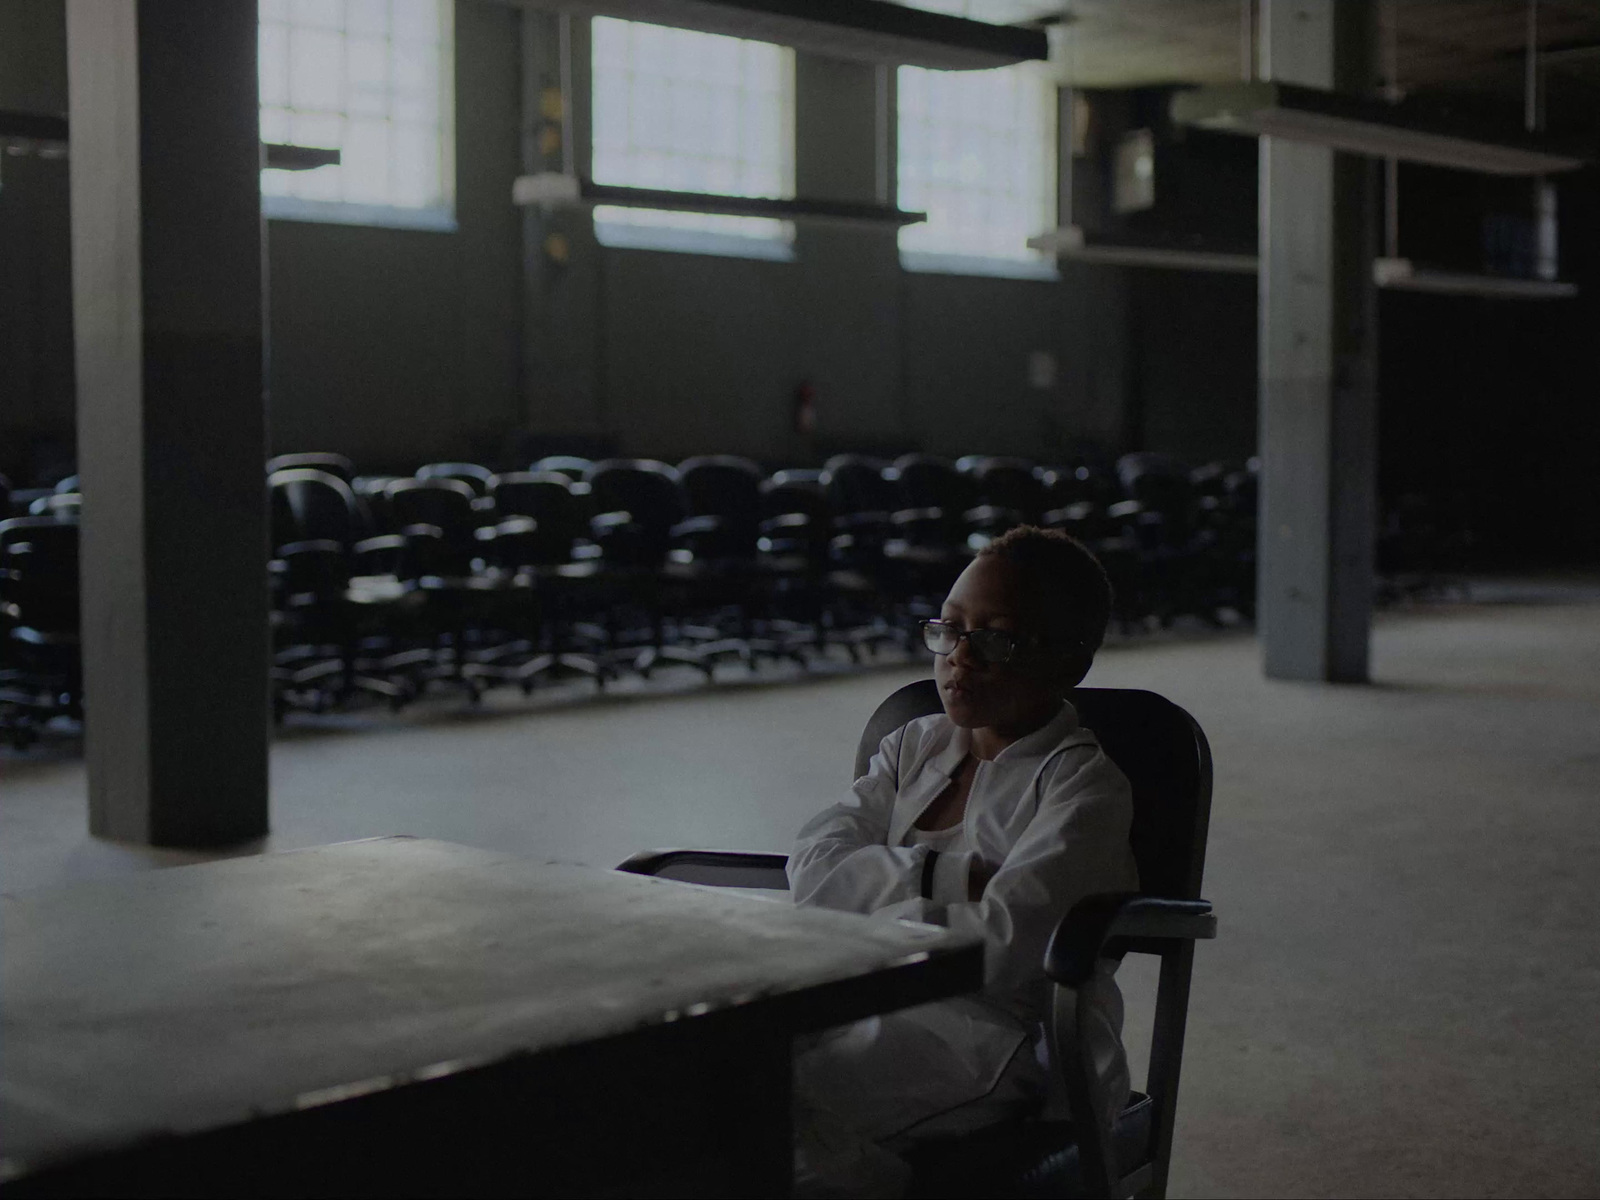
[{"x": 1013, "y": 694}]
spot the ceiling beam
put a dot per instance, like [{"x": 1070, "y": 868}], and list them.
[{"x": 856, "y": 30}]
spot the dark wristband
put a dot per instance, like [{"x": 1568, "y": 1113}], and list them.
[{"x": 927, "y": 874}]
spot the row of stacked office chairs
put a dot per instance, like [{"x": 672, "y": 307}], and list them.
[
  {"x": 462, "y": 577},
  {"x": 459, "y": 577},
  {"x": 41, "y": 675}
]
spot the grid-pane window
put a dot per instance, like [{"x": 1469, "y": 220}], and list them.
[
  {"x": 690, "y": 112},
  {"x": 977, "y": 153},
  {"x": 373, "y": 79}
]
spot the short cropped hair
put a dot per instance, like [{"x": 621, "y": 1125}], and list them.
[{"x": 1072, "y": 585}]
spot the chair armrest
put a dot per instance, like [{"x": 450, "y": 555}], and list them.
[
  {"x": 1085, "y": 933},
  {"x": 718, "y": 868}
]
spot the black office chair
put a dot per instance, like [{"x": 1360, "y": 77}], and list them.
[
  {"x": 41, "y": 668},
  {"x": 795, "y": 530},
  {"x": 639, "y": 504},
  {"x": 340, "y": 614},
  {"x": 1167, "y": 760},
  {"x": 715, "y": 550},
  {"x": 541, "y": 543},
  {"x": 928, "y": 545},
  {"x": 445, "y": 561},
  {"x": 868, "y": 593}
]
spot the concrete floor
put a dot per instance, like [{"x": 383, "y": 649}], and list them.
[{"x": 1405, "y": 996}]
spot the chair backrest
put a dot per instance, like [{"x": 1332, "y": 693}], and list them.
[
  {"x": 855, "y": 484},
  {"x": 547, "y": 497},
  {"x": 1009, "y": 483},
  {"x": 441, "y": 501},
  {"x": 1158, "y": 481},
  {"x": 309, "y": 504},
  {"x": 570, "y": 465},
  {"x": 477, "y": 477},
  {"x": 63, "y": 506},
  {"x": 721, "y": 485},
  {"x": 648, "y": 490},
  {"x": 1160, "y": 748},
  {"x": 781, "y": 496},
  {"x": 927, "y": 481},
  {"x": 318, "y": 460}
]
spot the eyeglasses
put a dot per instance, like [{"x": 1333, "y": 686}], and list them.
[{"x": 991, "y": 647}]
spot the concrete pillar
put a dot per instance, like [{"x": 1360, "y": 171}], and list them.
[
  {"x": 848, "y": 292},
  {"x": 562, "y": 295},
  {"x": 167, "y": 317},
  {"x": 1317, "y": 345}
]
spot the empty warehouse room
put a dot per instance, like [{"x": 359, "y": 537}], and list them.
[{"x": 746, "y": 597}]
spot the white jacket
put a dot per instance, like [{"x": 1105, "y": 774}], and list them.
[{"x": 1052, "y": 810}]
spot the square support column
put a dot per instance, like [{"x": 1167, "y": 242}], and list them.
[
  {"x": 168, "y": 316},
  {"x": 563, "y": 380},
  {"x": 1318, "y": 354}
]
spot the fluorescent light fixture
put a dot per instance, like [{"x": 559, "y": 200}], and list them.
[
  {"x": 1399, "y": 274},
  {"x": 1068, "y": 243},
  {"x": 873, "y": 31},
  {"x": 1361, "y": 126}
]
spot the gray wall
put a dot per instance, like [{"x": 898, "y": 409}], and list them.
[
  {"x": 699, "y": 352},
  {"x": 36, "y": 388},
  {"x": 397, "y": 345}
]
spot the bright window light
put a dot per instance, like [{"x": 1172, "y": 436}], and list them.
[
  {"x": 691, "y": 112},
  {"x": 372, "y": 79},
  {"x": 977, "y": 153}
]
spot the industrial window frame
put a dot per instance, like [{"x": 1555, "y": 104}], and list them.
[
  {"x": 977, "y": 151},
  {"x": 388, "y": 105},
  {"x": 695, "y": 112}
]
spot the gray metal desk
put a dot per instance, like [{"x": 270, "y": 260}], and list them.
[{"x": 411, "y": 1017}]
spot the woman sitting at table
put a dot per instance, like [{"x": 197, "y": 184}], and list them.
[{"x": 992, "y": 818}]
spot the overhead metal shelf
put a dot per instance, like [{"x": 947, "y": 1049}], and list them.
[
  {"x": 45, "y": 134},
  {"x": 552, "y": 189},
  {"x": 1068, "y": 243},
  {"x": 1400, "y": 274},
  {"x": 1370, "y": 127},
  {"x": 1392, "y": 274},
  {"x": 857, "y": 30},
  {"x": 281, "y": 157}
]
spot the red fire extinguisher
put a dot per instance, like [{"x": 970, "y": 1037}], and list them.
[{"x": 805, "y": 409}]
